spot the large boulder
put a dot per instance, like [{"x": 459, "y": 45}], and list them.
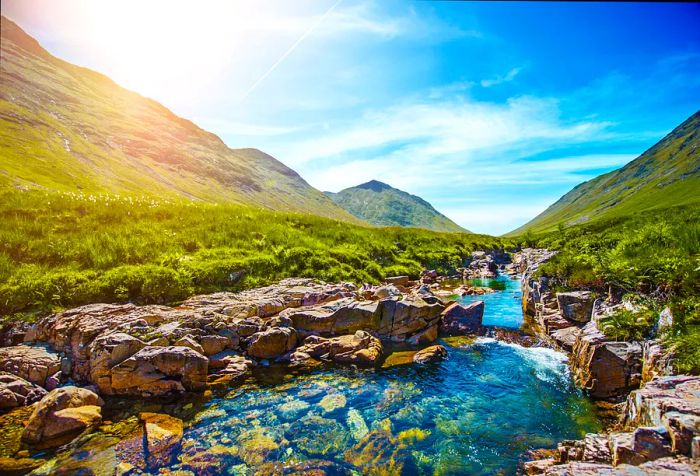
[
  {"x": 36, "y": 364},
  {"x": 607, "y": 370},
  {"x": 576, "y": 305},
  {"x": 672, "y": 403},
  {"x": 403, "y": 318},
  {"x": 462, "y": 320},
  {"x": 16, "y": 391},
  {"x": 62, "y": 412},
  {"x": 106, "y": 352},
  {"x": 362, "y": 348},
  {"x": 155, "y": 371},
  {"x": 272, "y": 342}
]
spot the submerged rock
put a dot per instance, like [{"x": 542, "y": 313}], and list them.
[
  {"x": 64, "y": 411},
  {"x": 163, "y": 436}
]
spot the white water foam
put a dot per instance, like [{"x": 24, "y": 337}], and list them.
[{"x": 550, "y": 365}]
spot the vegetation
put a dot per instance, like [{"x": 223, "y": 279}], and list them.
[
  {"x": 69, "y": 128},
  {"x": 380, "y": 204},
  {"x": 665, "y": 176},
  {"x": 628, "y": 325},
  {"x": 653, "y": 255},
  {"x": 61, "y": 249}
]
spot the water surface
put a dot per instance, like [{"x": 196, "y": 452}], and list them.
[{"x": 474, "y": 413}]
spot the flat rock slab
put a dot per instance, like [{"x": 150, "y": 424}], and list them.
[{"x": 34, "y": 363}]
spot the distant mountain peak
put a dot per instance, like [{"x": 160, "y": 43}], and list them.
[
  {"x": 383, "y": 205},
  {"x": 375, "y": 185}
]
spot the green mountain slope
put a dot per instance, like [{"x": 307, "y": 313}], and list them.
[
  {"x": 664, "y": 176},
  {"x": 383, "y": 205},
  {"x": 68, "y": 128}
]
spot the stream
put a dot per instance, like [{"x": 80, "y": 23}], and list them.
[{"x": 474, "y": 413}]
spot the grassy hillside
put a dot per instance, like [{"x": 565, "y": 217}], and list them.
[
  {"x": 67, "y": 128},
  {"x": 664, "y": 176},
  {"x": 61, "y": 249},
  {"x": 654, "y": 257},
  {"x": 383, "y": 205}
]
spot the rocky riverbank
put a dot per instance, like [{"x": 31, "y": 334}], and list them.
[
  {"x": 65, "y": 362},
  {"x": 658, "y": 431}
]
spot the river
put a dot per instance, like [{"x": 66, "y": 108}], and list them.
[{"x": 473, "y": 413}]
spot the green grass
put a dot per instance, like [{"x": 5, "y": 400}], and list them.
[
  {"x": 655, "y": 255},
  {"x": 60, "y": 249},
  {"x": 665, "y": 176}
]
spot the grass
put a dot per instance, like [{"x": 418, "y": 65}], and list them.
[
  {"x": 61, "y": 249},
  {"x": 665, "y": 176},
  {"x": 653, "y": 255}
]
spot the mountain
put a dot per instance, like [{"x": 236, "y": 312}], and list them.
[
  {"x": 64, "y": 127},
  {"x": 383, "y": 205},
  {"x": 666, "y": 175}
]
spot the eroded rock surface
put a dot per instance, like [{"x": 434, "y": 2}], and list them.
[
  {"x": 33, "y": 363},
  {"x": 17, "y": 392},
  {"x": 62, "y": 412},
  {"x": 155, "y": 371}
]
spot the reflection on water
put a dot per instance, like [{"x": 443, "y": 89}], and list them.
[{"x": 474, "y": 413}]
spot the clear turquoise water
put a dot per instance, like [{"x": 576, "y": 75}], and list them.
[
  {"x": 502, "y": 308},
  {"x": 472, "y": 414}
]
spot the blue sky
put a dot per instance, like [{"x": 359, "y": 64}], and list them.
[{"x": 490, "y": 111}]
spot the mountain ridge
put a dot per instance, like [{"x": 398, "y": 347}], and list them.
[
  {"x": 53, "y": 136},
  {"x": 383, "y": 205},
  {"x": 665, "y": 175}
]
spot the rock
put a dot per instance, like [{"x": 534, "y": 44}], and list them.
[
  {"x": 311, "y": 467},
  {"x": 32, "y": 363},
  {"x": 385, "y": 292},
  {"x": 17, "y": 392},
  {"x": 682, "y": 429},
  {"x": 461, "y": 320},
  {"x": 106, "y": 352},
  {"x": 576, "y": 305},
  {"x": 430, "y": 354},
  {"x": 607, "y": 370},
  {"x": 361, "y": 348},
  {"x": 332, "y": 402},
  {"x": 155, "y": 371},
  {"x": 19, "y": 466},
  {"x": 407, "y": 317},
  {"x": 213, "y": 344},
  {"x": 644, "y": 444},
  {"x": 163, "y": 436},
  {"x": 315, "y": 346},
  {"x": 189, "y": 342},
  {"x": 356, "y": 424},
  {"x": 566, "y": 337},
  {"x": 656, "y": 362},
  {"x": 62, "y": 412},
  {"x": 398, "y": 280},
  {"x": 424, "y": 337},
  {"x": 272, "y": 343}
]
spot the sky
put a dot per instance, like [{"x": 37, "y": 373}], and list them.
[{"x": 490, "y": 111}]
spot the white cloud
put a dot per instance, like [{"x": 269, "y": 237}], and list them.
[
  {"x": 425, "y": 131},
  {"x": 509, "y": 76}
]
